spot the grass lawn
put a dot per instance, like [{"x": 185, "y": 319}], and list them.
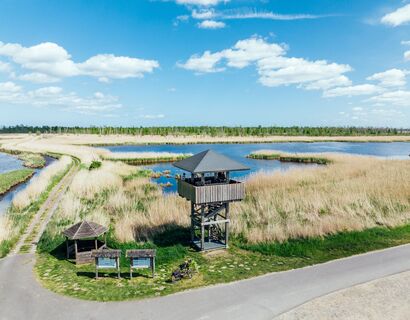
[
  {"x": 241, "y": 261},
  {"x": 10, "y": 179}
]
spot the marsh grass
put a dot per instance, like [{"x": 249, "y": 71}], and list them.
[
  {"x": 10, "y": 179},
  {"x": 32, "y": 160},
  {"x": 39, "y": 183},
  {"x": 288, "y": 157},
  {"x": 16, "y": 220},
  {"x": 352, "y": 193}
]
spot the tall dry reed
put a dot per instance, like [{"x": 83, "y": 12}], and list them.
[
  {"x": 353, "y": 193},
  {"x": 39, "y": 183}
]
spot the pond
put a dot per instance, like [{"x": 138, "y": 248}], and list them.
[
  {"x": 10, "y": 163},
  {"x": 239, "y": 152}
]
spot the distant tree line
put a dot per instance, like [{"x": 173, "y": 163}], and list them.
[{"x": 211, "y": 131}]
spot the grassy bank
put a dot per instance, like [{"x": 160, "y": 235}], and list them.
[
  {"x": 32, "y": 160},
  {"x": 143, "y": 159},
  {"x": 287, "y": 157},
  {"x": 241, "y": 261},
  {"x": 10, "y": 179},
  {"x": 29, "y": 201}
]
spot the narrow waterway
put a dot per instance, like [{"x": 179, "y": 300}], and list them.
[{"x": 10, "y": 163}]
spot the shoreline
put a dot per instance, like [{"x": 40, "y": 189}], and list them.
[{"x": 17, "y": 183}]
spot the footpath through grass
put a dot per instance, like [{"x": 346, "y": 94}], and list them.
[
  {"x": 241, "y": 261},
  {"x": 21, "y": 218},
  {"x": 10, "y": 179}
]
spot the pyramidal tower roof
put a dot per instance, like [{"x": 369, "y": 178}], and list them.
[
  {"x": 84, "y": 230},
  {"x": 209, "y": 161}
]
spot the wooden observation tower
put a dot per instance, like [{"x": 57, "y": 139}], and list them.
[{"x": 210, "y": 190}]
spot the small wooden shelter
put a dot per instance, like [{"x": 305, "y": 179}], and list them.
[
  {"x": 142, "y": 259},
  {"x": 106, "y": 259},
  {"x": 210, "y": 190},
  {"x": 84, "y": 237}
]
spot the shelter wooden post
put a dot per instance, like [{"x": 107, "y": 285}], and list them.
[
  {"x": 96, "y": 243},
  {"x": 75, "y": 247},
  {"x": 66, "y": 245}
]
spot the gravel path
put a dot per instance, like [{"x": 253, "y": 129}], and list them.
[{"x": 383, "y": 299}]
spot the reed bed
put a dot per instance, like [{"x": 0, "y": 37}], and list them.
[
  {"x": 141, "y": 158},
  {"x": 288, "y": 157},
  {"x": 40, "y": 183},
  {"x": 352, "y": 193},
  {"x": 123, "y": 197}
]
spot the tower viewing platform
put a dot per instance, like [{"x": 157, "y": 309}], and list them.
[{"x": 210, "y": 190}]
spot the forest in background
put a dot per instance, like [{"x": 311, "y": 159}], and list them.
[{"x": 215, "y": 131}]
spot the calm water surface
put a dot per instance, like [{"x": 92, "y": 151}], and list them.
[
  {"x": 10, "y": 163},
  {"x": 240, "y": 151}
]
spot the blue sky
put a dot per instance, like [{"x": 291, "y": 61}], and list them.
[{"x": 205, "y": 62}]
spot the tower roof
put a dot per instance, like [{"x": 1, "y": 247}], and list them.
[
  {"x": 84, "y": 230},
  {"x": 209, "y": 161}
]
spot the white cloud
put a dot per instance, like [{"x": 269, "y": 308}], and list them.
[
  {"x": 405, "y": 43},
  {"x": 357, "y": 90},
  {"x": 407, "y": 55},
  {"x": 5, "y": 67},
  {"x": 397, "y": 98},
  {"x": 272, "y": 64},
  {"x": 390, "y": 78},
  {"x": 56, "y": 97},
  {"x": 245, "y": 13},
  {"x": 152, "y": 116},
  {"x": 37, "y": 77},
  {"x": 110, "y": 66},
  {"x": 211, "y": 24},
  {"x": 206, "y": 63},
  {"x": 201, "y": 2},
  {"x": 203, "y": 14},
  {"x": 398, "y": 17},
  {"x": 50, "y": 62}
]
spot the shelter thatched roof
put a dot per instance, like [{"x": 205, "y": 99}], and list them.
[
  {"x": 106, "y": 253},
  {"x": 209, "y": 161},
  {"x": 84, "y": 230},
  {"x": 141, "y": 253}
]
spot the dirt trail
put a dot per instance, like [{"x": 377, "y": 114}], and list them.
[{"x": 28, "y": 241}]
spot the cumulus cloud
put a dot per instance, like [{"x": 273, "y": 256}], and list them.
[
  {"x": 56, "y": 97},
  {"x": 273, "y": 66},
  {"x": 398, "y": 98},
  {"x": 50, "y": 62},
  {"x": 211, "y": 24},
  {"x": 357, "y": 90},
  {"x": 201, "y": 2},
  {"x": 5, "y": 67},
  {"x": 152, "y": 116},
  {"x": 397, "y": 17},
  {"x": 37, "y": 77},
  {"x": 390, "y": 78},
  {"x": 407, "y": 55}
]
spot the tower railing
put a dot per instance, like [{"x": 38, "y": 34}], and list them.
[{"x": 222, "y": 192}]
